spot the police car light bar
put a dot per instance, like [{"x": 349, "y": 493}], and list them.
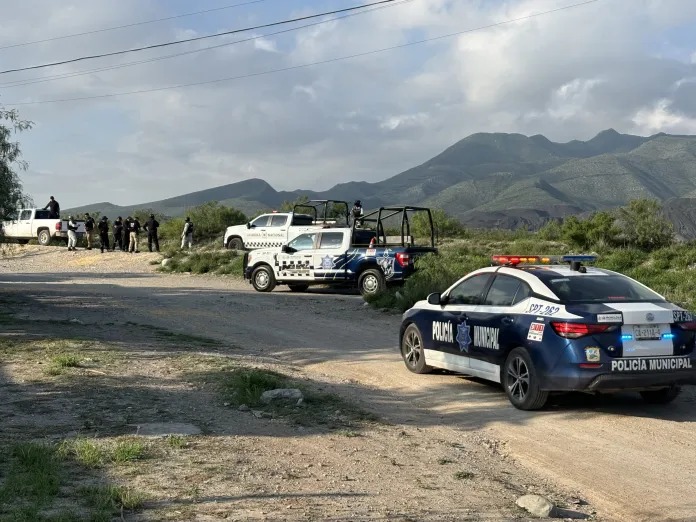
[{"x": 514, "y": 260}]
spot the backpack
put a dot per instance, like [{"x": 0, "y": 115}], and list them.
[{"x": 190, "y": 227}]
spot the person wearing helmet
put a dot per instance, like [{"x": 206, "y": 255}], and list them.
[{"x": 357, "y": 210}]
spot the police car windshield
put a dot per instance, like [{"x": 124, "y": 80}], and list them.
[{"x": 597, "y": 288}]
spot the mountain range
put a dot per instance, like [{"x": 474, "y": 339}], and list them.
[{"x": 500, "y": 180}]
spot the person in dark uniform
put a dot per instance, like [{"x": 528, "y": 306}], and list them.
[
  {"x": 133, "y": 231},
  {"x": 89, "y": 230},
  {"x": 53, "y": 208},
  {"x": 151, "y": 225},
  {"x": 103, "y": 227},
  {"x": 118, "y": 233}
]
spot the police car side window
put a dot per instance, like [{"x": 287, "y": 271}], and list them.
[
  {"x": 523, "y": 292},
  {"x": 278, "y": 221},
  {"x": 260, "y": 221},
  {"x": 469, "y": 291},
  {"x": 502, "y": 292},
  {"x": 303, "y": 242},
  {"x": 331, "y": 240}
]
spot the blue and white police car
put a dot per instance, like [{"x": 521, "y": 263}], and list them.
[{"x": 544, "y": 324}]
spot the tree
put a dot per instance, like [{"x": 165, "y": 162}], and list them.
[
  {"x": 287, "y": 206},
  {"x": 11, "y": 194},
  {"x": 643, "y": 225}
]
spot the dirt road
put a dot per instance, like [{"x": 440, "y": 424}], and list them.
[{"x": 630, "y": 460}]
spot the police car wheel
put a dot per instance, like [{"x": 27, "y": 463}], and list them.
[
  {"x": 235, "y": 244},
  {"x": 412, "y": 350},
  {"x": 371, "y": 282},
  {"x": 263, "y": 279},
  {"x": 521, "y": 382},
  {"x": 662, "y": 396}
]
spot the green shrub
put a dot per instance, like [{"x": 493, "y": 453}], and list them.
[
  {"x": 245, "y": 386},
  {"x": 643, "y": 225},
  {"x": 217, "y": 261},
  {"x": 210, "y": 221}
]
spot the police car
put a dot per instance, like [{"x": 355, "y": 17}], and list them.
[{"x": 543, "y": 324}]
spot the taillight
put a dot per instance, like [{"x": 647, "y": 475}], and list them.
[
  {"x": 687, "y": 326},
  {"x": 402, "y": 258},
  {"x": 59, "y": 225},
  {"x": 575, "y": 330}
]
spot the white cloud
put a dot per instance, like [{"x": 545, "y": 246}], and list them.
[{"x": 567, "y": 75}]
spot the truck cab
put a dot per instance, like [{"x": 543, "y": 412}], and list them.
[{"x": 274, "y": 229}]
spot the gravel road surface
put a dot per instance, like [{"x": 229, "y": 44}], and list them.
[{"x": 632, "y": 461}]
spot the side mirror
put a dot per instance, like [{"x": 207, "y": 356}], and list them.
[
  {"x": 287, "y": 249},
  {"x": 248, "y": 225},
  {"x": 436, "y": 299}
]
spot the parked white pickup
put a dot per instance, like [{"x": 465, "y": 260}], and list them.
[
  {"x": 31, "y": 223},
  {"x": 271, "y": 230}
]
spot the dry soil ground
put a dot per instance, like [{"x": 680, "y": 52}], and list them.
[{"x": 155, "y": 348}]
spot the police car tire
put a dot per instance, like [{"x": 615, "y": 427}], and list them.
[
  {"x": 533, "y": 398},
  {"x": 375, "y": 276},
  {"x": 235, "y": 243},
  {"x": 271, "y": 279},
  {"x": 412, "y": 343},
  {"x": 298, "y": 288},
  {"x": 663, "y": 396}
]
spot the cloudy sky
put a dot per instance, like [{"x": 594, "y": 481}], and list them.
[{"x": 626, "y": 64}]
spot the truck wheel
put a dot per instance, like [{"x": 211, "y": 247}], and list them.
[
  {"x": 44, "y": 238},
  {"x": 298, "y": 288},
  {"x": 235, "y": 244},
  {"x": 263, "y": 279},
  {"x": 521, "y": 382},
  {"x": 371, "y": 282},
  {"x": 663, "y": 396}
]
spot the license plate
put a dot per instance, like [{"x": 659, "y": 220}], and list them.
[{"x": 646, "y": 333}]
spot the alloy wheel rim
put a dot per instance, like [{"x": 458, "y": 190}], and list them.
[
  {"x": 518, "y": 379},
  {"x": 370, "y": 284},
  {"x": 262, "y": 279},
  {"x": 412, "y": 349}
]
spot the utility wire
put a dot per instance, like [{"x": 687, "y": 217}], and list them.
[
  {"x": 302, "y": 66},
  {"x": 197, "y": 38},
  {"x": 32, "y": 81},
  {"x": 134, "y": 24}
]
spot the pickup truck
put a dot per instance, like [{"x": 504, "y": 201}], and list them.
[
  {"x": 32, "y": 223},
  {"x": 277, "y": 228},
  {"x": 351, "y": 257}
]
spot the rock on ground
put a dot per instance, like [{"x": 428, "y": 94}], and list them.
[
  {"x": 281, "y": 394},
  {"x": 537, "y": 505}
]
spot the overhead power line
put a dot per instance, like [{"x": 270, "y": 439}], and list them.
[
  {"x": 305, "y": 65},
  {"x": 195, "y": 39},
  {"x": 32, "y": 81},
  {"x": 134, "y": 24}
]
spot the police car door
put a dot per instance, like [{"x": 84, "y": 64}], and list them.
[
  {"x": 330, "y": 256},
  {"x": 499, "y": 325},
  {"x": 297, "y": 264},
  {"x": 256, "y": 235},
  {"x": 452, "y": 325}
]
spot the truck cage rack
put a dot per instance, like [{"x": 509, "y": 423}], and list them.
[
  {"x": 378, "y": 216},
  {"x": 324, "y": 217}
]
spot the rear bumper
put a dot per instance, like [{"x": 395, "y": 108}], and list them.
[{"x": 602, "y": 380}]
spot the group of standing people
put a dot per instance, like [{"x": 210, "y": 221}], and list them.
[{"x": 126, "y": 233}]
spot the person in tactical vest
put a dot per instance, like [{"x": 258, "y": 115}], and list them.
[
  {"x": 103, "y": 227},
  {"x": 118, "y": 233},
  {"x": 53, "y": 208},
  {"x": 89, "y": 230},
  {"x": 72, "y": 234},
  {"x": 151, "y": 225},
  {"x": 187, "y": 234},
  {"x": 133, "y": 231}
]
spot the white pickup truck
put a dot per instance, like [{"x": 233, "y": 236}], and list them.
[
  {"x": 275, "y": 229},
  {"x": 32, "y": 223}
]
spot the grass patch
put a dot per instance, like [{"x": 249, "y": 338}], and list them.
[
  {"x": 95, "y": 454},
  {"x": 245, "y": 386},
  {"x": 33, "y": 474},
  {"x": 85, "y": 451},
  {"x": 209, "y": 259},
  {"x": 112, "y": 499},
  {"x": 444, "y": 461},
  {"x": 177, "y": 441},
  {"x": 128, "y": 450},
  {"x": 66, "y": 361},
  {"x": 463, "y": 475}
]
